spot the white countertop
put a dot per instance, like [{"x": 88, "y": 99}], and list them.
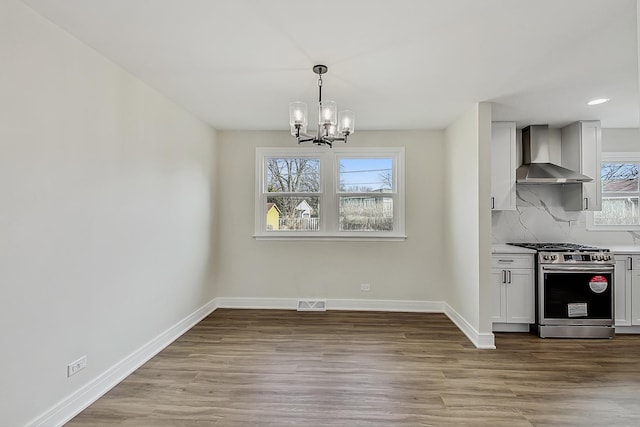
[
  {"x": 509, "y": 249},
  {"x": 626, "y": 249}
]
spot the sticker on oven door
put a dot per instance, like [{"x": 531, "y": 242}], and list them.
[
  {"x": 577, "y": 309},
  {"x": 598, "y": 284}
]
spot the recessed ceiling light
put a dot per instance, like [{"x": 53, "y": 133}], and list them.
[{"x": 598, "y": 101}]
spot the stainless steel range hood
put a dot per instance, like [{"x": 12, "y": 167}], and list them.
[{"x": 536, "y": 164}]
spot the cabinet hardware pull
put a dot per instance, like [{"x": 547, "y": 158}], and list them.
[
  {"x": 504, "y": 276},
  {"x": 505, "y": 260},
  {"x": 586, "y": 203},
  {"x": 493, "y": 203},
  {"x": 629, "y": 263},
  {"x": 508, "y": 276}
]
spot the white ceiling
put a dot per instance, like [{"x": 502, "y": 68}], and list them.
[{"x": 401, "y": 64}]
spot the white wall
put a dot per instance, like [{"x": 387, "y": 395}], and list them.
[
  {"x": 105, "y": 213},
  {"x": 406, "y": 270},
  {"x": 468, "y": 216}
]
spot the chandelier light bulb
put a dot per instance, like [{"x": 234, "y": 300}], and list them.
[
  {"x": 298, "y": 114},
  {"x": 328, "y": 112},
  {"x": 346, "y": 122}
]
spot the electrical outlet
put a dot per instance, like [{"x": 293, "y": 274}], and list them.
[
  {"x": 365, "y": 287},
  {"x": 77, "y": 366}
]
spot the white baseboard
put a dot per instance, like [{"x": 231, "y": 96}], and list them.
[
  {"x": 483, "y": 341},
  {"x": 75, "y": 403},
  {"x": 627, "y": 329},
  {"x": 257, "y": 303},
  {"x": 511, "y": 327},
  {"x": 333, "y": 304}
]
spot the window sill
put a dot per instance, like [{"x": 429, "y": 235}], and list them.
[{"x": 333, "y": 237}]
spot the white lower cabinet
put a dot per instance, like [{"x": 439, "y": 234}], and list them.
[
  {"x": 513, "y": 289},
  {"x": 627, "y": 290}
]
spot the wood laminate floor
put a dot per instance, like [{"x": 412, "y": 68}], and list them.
[{"x": 286, "y": 368}]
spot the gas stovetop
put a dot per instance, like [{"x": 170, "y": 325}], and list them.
[
  {"x": 568, "y": 253},
  {"x": 559, "y": 247}
]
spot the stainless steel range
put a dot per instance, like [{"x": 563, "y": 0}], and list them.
[{"x": 574, "y": 290}]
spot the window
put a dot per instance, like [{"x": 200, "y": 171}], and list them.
[
  {"x": 314, "y": 192},
  {"x": 620, "y": 193}
]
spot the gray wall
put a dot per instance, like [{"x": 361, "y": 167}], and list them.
[{"x": 397, "y": 270}]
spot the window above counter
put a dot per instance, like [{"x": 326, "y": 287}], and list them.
[{"x": 620, "y": 193}]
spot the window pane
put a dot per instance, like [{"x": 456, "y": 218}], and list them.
[
  {"x": 619, "y": 177},
  {"x": 367, "y": 213},
  {"x": 291, "y": 175},
  {"x": 618, "y": 211},
  {"x": 366, "y": 175},
  {"x": 292, "y": 213}
]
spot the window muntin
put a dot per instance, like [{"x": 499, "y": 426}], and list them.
[
  {"x": 620, "y": 193},
  {"x": 329, "y": 193}
]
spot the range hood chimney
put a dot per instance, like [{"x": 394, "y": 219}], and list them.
[{"x": 536, "y": 164}]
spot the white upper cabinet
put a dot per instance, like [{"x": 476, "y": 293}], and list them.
[
  {"x": 503, "y": 166},
  {"x": 581, "y": 152}
]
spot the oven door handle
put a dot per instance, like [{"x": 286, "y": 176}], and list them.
[{"x": 579, "y": 269}]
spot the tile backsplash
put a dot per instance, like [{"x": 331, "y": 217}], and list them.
[{"x": 541, "y": 217}]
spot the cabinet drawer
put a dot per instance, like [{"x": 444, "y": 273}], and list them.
[{"x": 511, "y": 261}]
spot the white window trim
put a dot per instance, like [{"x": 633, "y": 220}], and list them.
[
  {"x": 329, "y": 194},
  {"x": 608, "y": 157}
]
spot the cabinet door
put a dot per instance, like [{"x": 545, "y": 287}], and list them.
[
  {"x": 520, "y": 296},
  {"x": 503, "y": 166},
  {"x": 591, "y": 155},
  {"x": 498, "y": 297},
  {"x": 581, "y": 152},
  {"x": 635, "y": 290},
  {"x": 622, "y": 290}
]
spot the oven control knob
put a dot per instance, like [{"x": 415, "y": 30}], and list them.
[
  {"x": 553, "y": 257},
  {"x": 545, "y": 257}
]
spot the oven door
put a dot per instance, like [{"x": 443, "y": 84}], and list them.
[{"x": 576, "y": 295}]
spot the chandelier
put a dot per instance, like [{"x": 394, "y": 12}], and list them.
[{"x": 331, "y": 125}]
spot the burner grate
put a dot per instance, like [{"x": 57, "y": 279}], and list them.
[{"x": 559, "y": 247}]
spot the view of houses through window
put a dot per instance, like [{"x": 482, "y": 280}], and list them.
[
  {"x": 287, "y": 176},
  {"x": 620, "y": 195},
  {"x": 362, "y": 183},
  {"x": 331, "y": 192}
]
